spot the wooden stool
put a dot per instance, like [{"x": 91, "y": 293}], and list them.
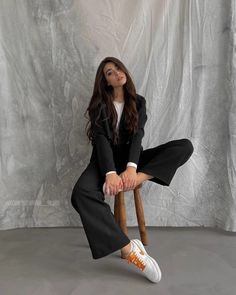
[{"x": 120, "y": 213}]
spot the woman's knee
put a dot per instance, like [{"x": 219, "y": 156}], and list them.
[{"x": 188, "y": 146}]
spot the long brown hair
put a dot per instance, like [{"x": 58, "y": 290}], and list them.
[{"x": 102, "y": 93}]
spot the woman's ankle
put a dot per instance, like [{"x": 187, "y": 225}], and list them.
[
  {"x": 141, "y": 177},
  {"x": 126, "y": 249}
]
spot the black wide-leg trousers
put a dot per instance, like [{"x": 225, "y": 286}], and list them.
[{"x": 103, "y": 233}]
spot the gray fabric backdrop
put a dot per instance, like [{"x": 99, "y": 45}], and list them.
[{"x": 180, "y": 56}]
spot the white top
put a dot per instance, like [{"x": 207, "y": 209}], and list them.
[
  {"x": 119, "y": 106},
  {"x": 119, "y": 109}
]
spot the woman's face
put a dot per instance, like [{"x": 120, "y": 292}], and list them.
[{"x": 114, "y": 75}]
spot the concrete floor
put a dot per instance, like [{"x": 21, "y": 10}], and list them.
[{"x": 194, "y": 261}]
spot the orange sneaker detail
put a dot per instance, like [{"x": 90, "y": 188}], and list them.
[{"x": 133, "y": 258}]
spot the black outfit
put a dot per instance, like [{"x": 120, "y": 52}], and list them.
[{"x": 103, "y": 233}]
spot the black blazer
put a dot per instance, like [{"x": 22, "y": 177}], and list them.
[{"x": 103, "y": 147}]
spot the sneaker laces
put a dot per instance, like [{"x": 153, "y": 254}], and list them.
[{"x": 134, "y": 258}]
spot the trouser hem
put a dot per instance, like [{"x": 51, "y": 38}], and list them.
[{"x": 115, "y": 248}]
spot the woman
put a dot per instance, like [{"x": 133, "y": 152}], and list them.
[{"x": 119, "y": 163}]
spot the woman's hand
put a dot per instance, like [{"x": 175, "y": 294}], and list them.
[
  {"x": 113, "y": 184},
  {"x": 129, "y": 178}
]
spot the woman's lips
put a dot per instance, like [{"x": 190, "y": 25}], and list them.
[{"x": 120, "y": 78}]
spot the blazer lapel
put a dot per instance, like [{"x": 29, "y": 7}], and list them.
[{"x": 105, "y": 119}]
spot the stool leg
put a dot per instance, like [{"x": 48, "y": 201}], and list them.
[
  {"x": 116, "y": 209},
  {"x": 140, "y": 216},
  {"x": 122, "y": 213}
]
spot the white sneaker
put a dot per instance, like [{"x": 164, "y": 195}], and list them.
[
  {"x": 148, "y": 265},
  {"x": 108, "y": 194}
]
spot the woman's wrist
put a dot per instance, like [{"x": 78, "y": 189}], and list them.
[
  {"x": 130, "y": 168},
  {"x": 131, "y": 164}
]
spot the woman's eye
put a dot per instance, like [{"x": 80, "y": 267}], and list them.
[{"x": 109, "y": 73}]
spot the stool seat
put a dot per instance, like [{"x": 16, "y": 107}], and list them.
[{"x": 120, "y": 213}]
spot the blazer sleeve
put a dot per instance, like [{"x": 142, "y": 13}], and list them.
[
  {"x": 136, "y": 141},
  {"x": 102, "y": 145}
]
